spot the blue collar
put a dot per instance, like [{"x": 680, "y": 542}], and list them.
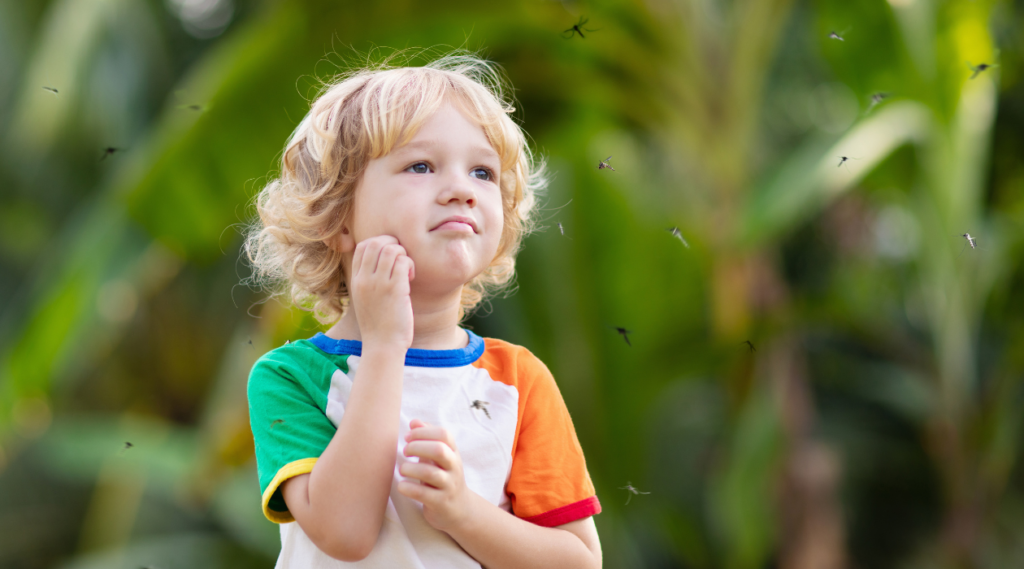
[{"x": 413, "y": 356}]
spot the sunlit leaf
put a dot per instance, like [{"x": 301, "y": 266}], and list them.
[{"x": 816, "y": 174}]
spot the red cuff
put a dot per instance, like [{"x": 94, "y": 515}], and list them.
[{"x": 565, "y": 514}]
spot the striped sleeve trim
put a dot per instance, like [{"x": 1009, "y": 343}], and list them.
[
  {"x": 290, "y": 470},
  {"x": 569, "y": 513}
]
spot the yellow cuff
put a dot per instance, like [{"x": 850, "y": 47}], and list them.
[{"x": 287, "y": 471}]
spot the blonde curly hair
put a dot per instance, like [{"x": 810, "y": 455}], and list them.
[{"x": 362, "y": 116}]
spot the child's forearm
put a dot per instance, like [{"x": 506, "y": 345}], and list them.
[
  {"x": 500, "y": 540},
  {"x": 349, "y": 485}
]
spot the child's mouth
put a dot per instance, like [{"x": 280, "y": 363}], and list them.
[
  {"x": 458, "y": 224},
  {"x": 455, "y": 226}
]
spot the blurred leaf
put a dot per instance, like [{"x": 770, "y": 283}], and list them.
[
  {"x": 78, "y": 447},
  {"x": 70, "y": 33},
  {"x": 238, "y": 506},
  {"x": 194, "y": 550},
  {"x": 815, "y": 175},
  {"x": 69, "y": 321},
  {"x": 744, "y": 508},
  {"x": 196, "y": 169}
]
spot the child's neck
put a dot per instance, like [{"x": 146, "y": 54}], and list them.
[{"x": 435, "y": 325}]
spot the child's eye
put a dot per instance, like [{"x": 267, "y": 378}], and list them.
[
  {"x": 484, "y": 174},
  {"x": 418, "y": 168}
]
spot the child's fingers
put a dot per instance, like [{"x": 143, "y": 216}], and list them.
[
  {"x": 371, "y": 250},
  {"x": 386, "y": 261},
  {"x": 416, "y": 423},
  {"x": 431, "y": 433},
  {"x": 404, "y": 266},
  {"x": 357, "y": 258},
  {"x": 419, "y": 424},
  {"x": 426, "y": 473},
  {"x": 437, "y": 451},
  {"x": 415, "y": 491},
  {"x": 422, "y": 493}
]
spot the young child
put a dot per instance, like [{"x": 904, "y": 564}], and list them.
[{"x": 397, "y": 438}]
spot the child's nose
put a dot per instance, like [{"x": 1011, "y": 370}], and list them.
[{"x": 460, "y": 190}]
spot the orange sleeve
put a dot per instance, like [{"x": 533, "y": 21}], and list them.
[{"x": 549, "y": 484}]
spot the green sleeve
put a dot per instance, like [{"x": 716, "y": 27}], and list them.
[{"x": 287, "y": 412}]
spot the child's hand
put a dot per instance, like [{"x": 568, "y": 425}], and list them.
[
  {"x": 436, "y": 480},
  {"x": 379, "y": 286}
]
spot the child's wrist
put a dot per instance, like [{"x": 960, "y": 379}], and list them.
[
  {"x": 386, "y": 349},
  {"x": 467, "y": 520}
]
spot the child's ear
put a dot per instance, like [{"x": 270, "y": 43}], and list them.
[{"x": 343, "y": 242}]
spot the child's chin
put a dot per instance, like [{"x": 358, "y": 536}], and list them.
[
  {"x": 456, "y": 253},
  {"x": 450, "y": 272}
]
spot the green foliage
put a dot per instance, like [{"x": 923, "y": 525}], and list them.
[{"x": 884, "y": 346}]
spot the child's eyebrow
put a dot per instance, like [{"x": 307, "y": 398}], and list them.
[{"x": 432, "y": 143}]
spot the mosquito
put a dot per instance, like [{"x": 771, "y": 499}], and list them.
[
  {"x": 836, "y": 36},
  {"x": 109, "y": 151},
  {"x": 481, "y": 405},
  {"x": 972, "y": 241},
  {"x": 624, "y": 333},
  {"x": 604, "y": 164},
  {"x": 183, "y": 97},
  {"x": 632, "y": 491},
  {"x": 844, "y": 159},
  {"x": 250, "y": 344},
  {"x": 127, "y": 445},
  {"x": 678, "y": 235},
  {"x": 876, "y": 99},
  {"x": 979, "y": 68},
  {"x": 750, "y": 346},
  {"x": 50, "y": 89},
  {"x": 578, "y": 28}
]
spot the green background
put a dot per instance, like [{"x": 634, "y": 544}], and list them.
[{"x": 877, "y": 424}]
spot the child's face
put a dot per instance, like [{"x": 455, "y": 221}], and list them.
[{"x": 448, "y": 169}]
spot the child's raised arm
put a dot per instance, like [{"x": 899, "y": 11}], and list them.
[{"x": 340, "y": 504}]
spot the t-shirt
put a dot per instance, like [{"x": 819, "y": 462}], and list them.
[{"x": 500, "y": 403}]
